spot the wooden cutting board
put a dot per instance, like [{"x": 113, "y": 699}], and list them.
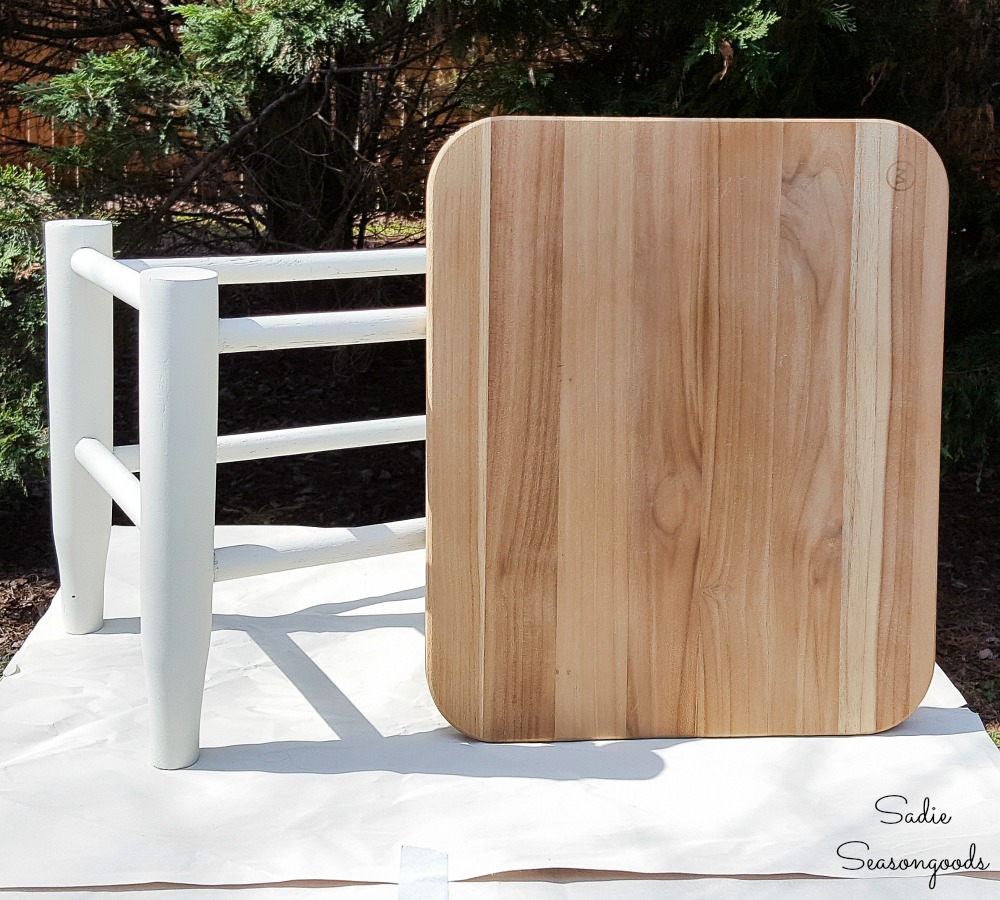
[{"x": 683, "y": 426}]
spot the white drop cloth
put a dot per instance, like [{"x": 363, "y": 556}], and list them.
[{"x": 324, "y": 755}]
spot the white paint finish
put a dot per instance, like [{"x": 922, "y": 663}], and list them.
[
  {"x": 286, "y": 332},
  {"x": 300, "y": 548},
  {"x": 311, "y": 439},
  {"x": 320, "y": 438},
  {"x": 107, "y": 470},
  {"x": 178, "y": 426},
  {"x": 81, "y": 390},
  {"x": 127, "y": 455},
  {"x": 180, "y": 337},
  {"x": 108, "y": 273},
  {"x": 300, "y": 266}
]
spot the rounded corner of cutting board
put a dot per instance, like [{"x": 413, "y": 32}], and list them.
[
  {"x": 452, "y": 716},
  {"x": 464, "y": 134},
  {"x": 940, "y": 175},
  {"x": 918, "y": 690}
]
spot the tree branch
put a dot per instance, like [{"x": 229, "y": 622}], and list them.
[{"x": 219, "y": 153}]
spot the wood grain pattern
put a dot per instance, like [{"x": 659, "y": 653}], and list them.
[
  {"x": 522, "y": 477},
  {"x": 459, "y": 431},
  {"x": 816, "y": 236},
  {"x": 595, "y": 363},
  {"x": 683, "y": 414},
  {"x": 668, "y": 450}
]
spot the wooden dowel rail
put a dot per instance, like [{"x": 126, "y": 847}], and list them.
[
  {"x": 287, "y": 332},
  {"x": 309, "y": 439},
  {"x": 300, "y": 548},
  {"x": 285, "y": 267},
  {"x": 115, "y": 277},
  {"x": 107, "y": 470}
]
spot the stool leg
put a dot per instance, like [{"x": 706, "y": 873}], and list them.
[
  {"x": 81, "y": 391},
  {"x": 178, "y": 431}
]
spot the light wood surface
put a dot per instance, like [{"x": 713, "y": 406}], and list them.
[{"x": 683, "y": 426}]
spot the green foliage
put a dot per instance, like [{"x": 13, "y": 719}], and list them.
[
  {"x": 242, "y": 41},
  {"x": 23, "y": 437},
  {"x": 415, "y": 7},
  {"x": 511, "y": 86},
  {"x": 971, "y": 410},
  {"x": 23, "y": 193},
  {"x": 668, "y": 57},
  {"x": 24, "y": 203},
  {"x": 744, "y": 26},
  {"x": 131, "y": 107},
  {"x": 294, "y": 118},
  {"x": 744, "y": 31},
  {"x": 838, "y": 15}
]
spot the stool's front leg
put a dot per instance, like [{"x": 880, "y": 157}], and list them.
[{"x": 178, "y": 433}]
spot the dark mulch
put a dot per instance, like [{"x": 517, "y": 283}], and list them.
[
  {"x": 284, "y": 389},
  {"x": 969, "y": 589}
]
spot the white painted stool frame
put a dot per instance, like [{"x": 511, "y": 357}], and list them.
[{"x": 180, "y": 339}]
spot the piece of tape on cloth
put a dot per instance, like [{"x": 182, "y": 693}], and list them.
[{"x": 423, "y": 874}]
